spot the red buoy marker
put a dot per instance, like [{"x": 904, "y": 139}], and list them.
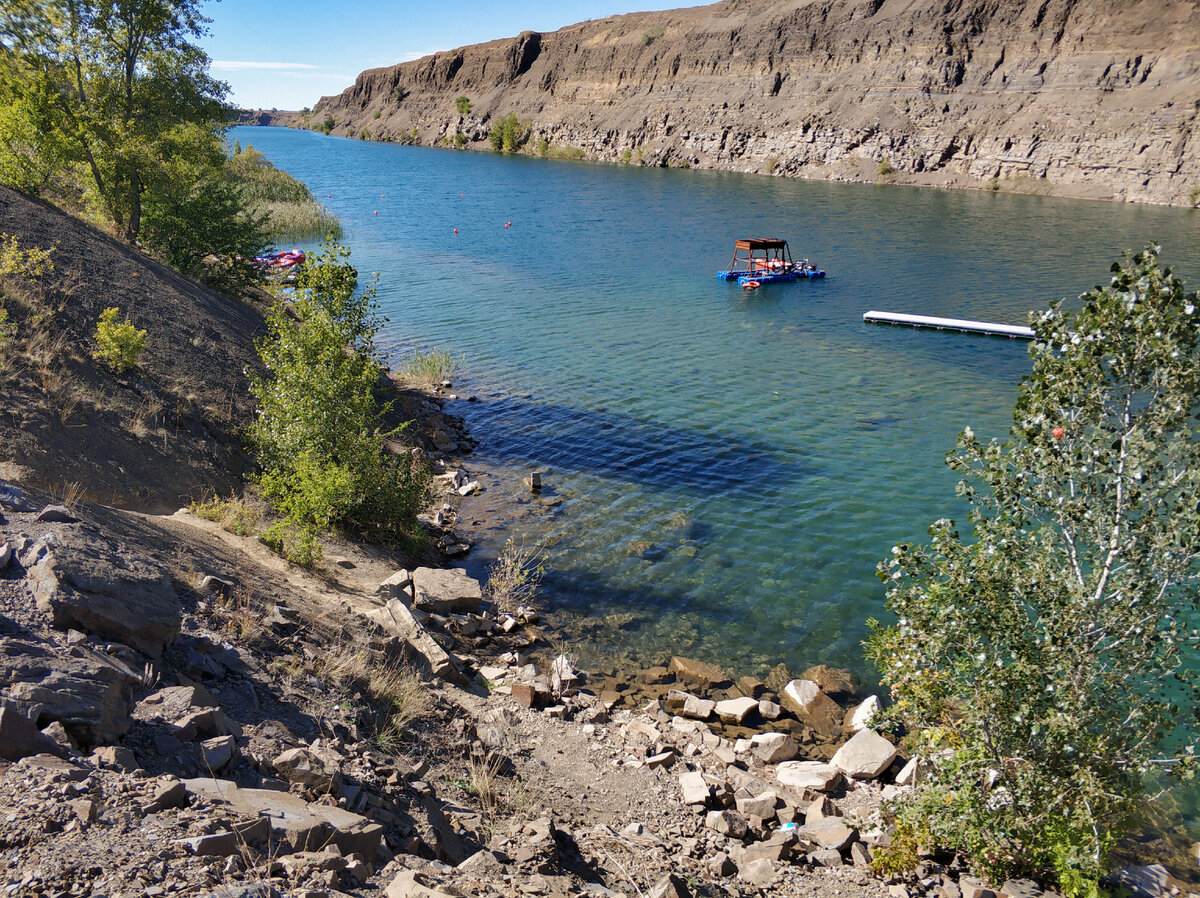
[{"x": 456, "y": 230}]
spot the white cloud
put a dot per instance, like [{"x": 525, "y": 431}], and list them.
[{"x": 229, "y": 65}]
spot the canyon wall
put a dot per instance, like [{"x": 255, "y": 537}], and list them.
[{"x": 1087, "y": 98}]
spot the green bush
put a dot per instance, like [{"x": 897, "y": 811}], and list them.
[
  {"x": 119, "y": 346},
  {"x": 460, "y": 140},
  {"x": 376, "y": 115},
  {"x": 885, "y": 168},
  {"x": 8, "y": 329},
  {"x": 509, "y": 135},
  {"x": 319, "y": 434},
  {"x": 329, "y": 124},
  {"x": 1045, "y": 662},
  {"x": 462, "y": 105},
  {"x": 650, "y": 35}
]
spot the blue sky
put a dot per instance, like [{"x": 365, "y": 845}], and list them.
[{"x": 287, "y": 56}]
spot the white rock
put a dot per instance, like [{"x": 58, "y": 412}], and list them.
[
  {"x": 736, "y": 710},
  {"x": 815, "y": 775},
  {"x": 771, "y": 748},
  {"x": 698, "y": 708},
  {"x": 693, "y": 786},
  {"x": 865, "y": 756},
  {"x": 860, "y": 716}
]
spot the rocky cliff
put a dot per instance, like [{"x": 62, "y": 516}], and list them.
[{"x": 1089, "y": 98}]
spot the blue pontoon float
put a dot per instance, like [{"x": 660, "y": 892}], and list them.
[{"x": 766, "y": 260}]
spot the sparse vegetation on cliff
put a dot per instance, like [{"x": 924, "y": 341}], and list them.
[
  {"x": 1047, "y": 661},
  {"x": 462, "y": 105},
  {"x": 118, "y": 344},
  {"x": 509, "y": 134}
]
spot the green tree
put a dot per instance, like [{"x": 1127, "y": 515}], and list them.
[
  {"x": 1046, "y": 662},
  {"x": 111, "y": 80},
  {"x": 462, "y": 105},
  {"x": 197, "y": 217},
  {"x": 319, "y": 435},
  {"x": 509, "y": 134}
]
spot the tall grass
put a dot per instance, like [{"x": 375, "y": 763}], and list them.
[
  {"x": 291, "y": 210},
  {"x": 428, "y": 369}
]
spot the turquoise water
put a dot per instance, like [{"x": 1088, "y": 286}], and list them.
[{"x": 730, "y": 467}]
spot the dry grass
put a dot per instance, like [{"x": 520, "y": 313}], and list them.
[
  {"x": 69, "y": 492},
  {"x": 499, "y": 797},
  {"x": 240, "y": 516}
]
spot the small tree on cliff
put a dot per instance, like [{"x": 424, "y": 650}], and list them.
[{"x": 1046, "y": 664}]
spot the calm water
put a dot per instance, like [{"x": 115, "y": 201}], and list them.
[{"x": 730, "y": 467}]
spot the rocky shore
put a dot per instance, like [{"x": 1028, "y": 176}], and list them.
[{"x": 182, "y": 712}]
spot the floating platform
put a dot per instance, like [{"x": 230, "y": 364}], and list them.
[{"x": 957, "y": 324}]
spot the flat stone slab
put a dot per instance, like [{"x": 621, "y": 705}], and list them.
[
  {"x": 446, "y": 590},
  {"x": 815, "y": 775},
  {"x": 694, "y": 788},
  {"x": 828, "y": 832},
  {"x": 88, "y": 582},
  {"x": 865, "y": 756},
  {"x": 299, "y": 825},
  {"x": 398, "y": 620},
  {"x": 699, "y": 671},
  {"x": 736, "y": 710}
]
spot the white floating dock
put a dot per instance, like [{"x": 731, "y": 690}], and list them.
[{"x": 957, "y": 324}]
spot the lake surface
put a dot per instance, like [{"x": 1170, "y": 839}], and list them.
[{"x": 723, "y": 470}]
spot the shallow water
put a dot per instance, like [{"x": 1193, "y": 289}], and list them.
[{"x": 731, "y": 467}]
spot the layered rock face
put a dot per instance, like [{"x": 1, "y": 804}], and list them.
[{"x": 1090, "y": 98}]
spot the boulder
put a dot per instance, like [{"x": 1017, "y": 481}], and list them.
[
  {"x": 1145, "y": 882},
  {"x": 736, "y": 710},
  {"x": 173, "y": 702},
  {"x": 834, "y": 681},
  {"x": 859, "y": 717},
  {"x": 218, "y": 752},
  {"x": 761, "y": 805},
  {"x": 396, "y": 619},
  {"x": 115, "y": 757},
  {"x": 694, "y": 787},
  {"x": 410, "y": 884},
  {"x": 446, "y": 590},
  {"x": 88, "y": 692},
  {"x": 671, "y": 886},
  {"x": 89, "y": 582},
  {"x": 699, "y": 671},
  {"x": 297, "y": 824},
  {"x": 773, "y": 748},
  {"x": 56, "y": 514},
  {"x": 828, "y": 832},
  {"x": 805, "y": 699},
  {"x": 865, "y": 756},
  {"x": 302, "y": 767},
  {"x": 20, "y": 737},
  {"x": 697, "y": 708},
  {"x": 6, "y": 553},
  {"x": 398, "y": 586},
  {"x": 760, "y": 872},
  {"x": 12, "y": 498},
  {"x": 727, "y": 823},
  {"x": 815, "y": 775}
]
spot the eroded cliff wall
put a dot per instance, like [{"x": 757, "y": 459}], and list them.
[{"x": 1091, "y": 98}]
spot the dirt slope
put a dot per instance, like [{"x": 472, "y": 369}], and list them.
[
  {"x": 1092, "y": 98},
  {"x": 148, "y": 440}
]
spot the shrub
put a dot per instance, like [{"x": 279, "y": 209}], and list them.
[
  {"x": 8, "y": 329},
  {"x": 508, "y": 135},
  {"x": 328, "y": 124},
  {"x": 650, "y": 35},
  {"x": 26, "y": 264},
  {"x": 885, "y": 168},
  {"x": 119, "y": 346},
  {"x": 287, "y": 206},
  {"x": 235, "y": 515},
  {"x": 1044, "y": 662},
  {"x": 319, "y": 434},
  {"x": 626, "y": 155},
  {"x": 376, "y": 115},
  {"x": 462, "y": 105},
  {"x": 460, "y": 140},
  {"x": 514, "y": 579}
]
